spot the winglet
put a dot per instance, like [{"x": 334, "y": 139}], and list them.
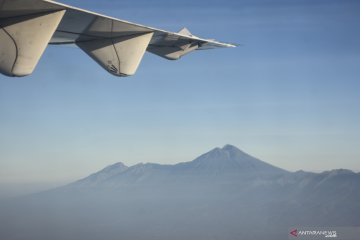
[{"x": 186, "y": 32}]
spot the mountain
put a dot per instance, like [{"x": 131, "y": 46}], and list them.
[
  {"x": 218, "y": 165},
  {"x": 228, "y": 159},
  {"x": 102, "y": 175},
  {"x": 223, "y": 194}
]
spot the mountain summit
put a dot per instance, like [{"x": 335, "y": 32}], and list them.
[
  {"x": 230, "y": 158},
  {"x": 103, "y": 174}
]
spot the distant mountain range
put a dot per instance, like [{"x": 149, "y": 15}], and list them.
[
  {"x": 223, "y": 194},
  {"x": 220, "y": 164}
]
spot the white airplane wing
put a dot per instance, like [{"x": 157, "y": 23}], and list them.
[{"x": 28, "y": 26}]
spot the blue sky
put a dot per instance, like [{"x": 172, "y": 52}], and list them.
[{"x": 289, "y": 95}]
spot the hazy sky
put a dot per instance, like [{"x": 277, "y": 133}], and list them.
[{"x": 289, "y": 95}]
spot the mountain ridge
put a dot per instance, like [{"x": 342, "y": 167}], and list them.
[
  {"x": 227, "y": 164},
  {"x": 225, "y": 161}
]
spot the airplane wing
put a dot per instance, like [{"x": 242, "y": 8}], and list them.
[{"x": 28, "y": 26}]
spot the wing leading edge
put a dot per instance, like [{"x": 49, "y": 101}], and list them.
[{"x": 28, "y": 26}]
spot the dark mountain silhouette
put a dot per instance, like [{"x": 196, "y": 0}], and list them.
[{"x": 223, "y": 194}]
